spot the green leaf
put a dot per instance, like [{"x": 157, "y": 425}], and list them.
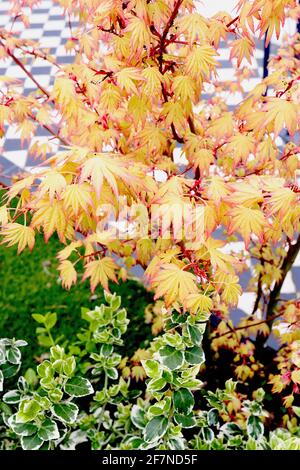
[
  {"x": 208, "y": 435},
  {"x": 255, "y": 427},
  {"x": 155, "y": 428},
  {"x": 176, "y": 443},
  {"x": 2, "y": 355},
  {"x": 195, "y": 334},
  {"x": 31, "y": 377},
  {"x": 151, "y": 368},
  {"x": 69, "y": 365},
  {"x": 33, "y": 442},
  {"x": 45, "y": 369},
  {"x": 186, "y": 421},
  {"x": 212, "y": 417},
  {"x": 155, "y": 385},
  {"x": 194, "y": 355},
  {"x": 38, "y": 318},
  {"x": 22, "y": 429},
  {"x": 20, "y": 343},
  {"x": 12, "y": 397},
  {"x": 50, "y": 320},
  {"x": 183, "y": 401},
  {"x": 106, "y": 350},
  {"x": 78, "y": 387},
  {"x": 66, "y": 412},
  {"x": 171, "y": 357},
  {"x": 112, "y": 373},
  {"x": 138, "y": 417},
  {"x": 14, "y": 355},
  {"x": 48, "y": 430},
  {"x": 231, "y": 429},
  {"x": 296, "y": 410},
  {"x": 28, "y": 410},
  {"x": 9, "y": 370}
]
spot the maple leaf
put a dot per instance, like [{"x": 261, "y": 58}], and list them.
[
  {"x": 51, "y": 217},
  {"x": 68, "y": 250},
  {"x": 68, "y": 274},
  {"x": 199, "y": 303},
  {"x": 282, "y": 114},
  {"x": 140, "y": 36},
  {"x": 22, "y": 235},
  {"x": 247, "y": 221},
  {"x": 240, "y": 146},
  {"x": 222, "y": 126},
  {"x": 77, "y": 197},
  {"x": 228, "y": 284},
  {"x": 200, "y": 61},
  {"x": 184, "y": 87},
  {"x": 126, "y": 79},
  {"x": 241, "y": 48},
  {"x": 173, "y": 113},
  {"x": 174, "y": 284},
  {"x": 246, "y": 193},
  {"x": 100, "y": 272},
  {"x": 53, "y": 184},
  {"x": 106, "y": 167},
  {"x": 152, "y": 81},
  {"x": 281, "y": 201},
  {"x": 194, "y": 27},
  {"x": 219, "y": 259},
  {"x": 3, "y": 215}
]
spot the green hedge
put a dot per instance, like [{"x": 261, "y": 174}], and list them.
[{"x": 30, "y": 284}]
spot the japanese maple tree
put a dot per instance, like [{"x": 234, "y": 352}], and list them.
[{"x": 118, "y": 116}]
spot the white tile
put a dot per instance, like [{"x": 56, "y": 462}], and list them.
[
  {"x": 288, "y": 285},
  {"x": 18, "y": 157}
]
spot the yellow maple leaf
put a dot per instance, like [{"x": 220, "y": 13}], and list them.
[
  {"x": 152, "y": 81},
  {"x": 106, "y": 167},
  {"x": 53, "y": 183},
  {"x": 174, "y": 284},
  {"x": 247, "y": 221},
  {"x": 194, "y": 27},
  {"x": 140, "y": 34},
  {"x": 22, "y": 235},
  {"x": 68, "y": 250},
  {"x": 281, "y": 114},
  {"x": 242, "y": 48},
  {"x": 296, "y": 376},
  {"x": 281, "y": 201},
  {"x": 126, "y": 79},
  {"x": 230, "y": 289},
  {"x": 100, "y": 272},
  {"x": 77, "y": 197},
  {"x": 218, "y": 259},
  {"x": 198, "y": 303},
  {"x": 68, "y": 274},
  {"x": 51, "y": 217},
  {"x": 222, "y": 126},
  {"x": 200, "y": 61}
]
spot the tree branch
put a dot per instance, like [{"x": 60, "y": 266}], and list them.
[
  {"x": 19, "y": 63},
  {"x": 285, "y": 268}
]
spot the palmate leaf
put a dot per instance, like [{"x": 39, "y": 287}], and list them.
[
  {"x": 77, "y": 197},
  {"x": 106, "y": 167},
  {"x": 53, "y": 183},
  {"x": 242, "y": 48},
  {"x": 68, "y": 274},
  {"x": 247, "y": 221},
  {"x": 100, "y": 272},
  {"x": 22, "y": 235},
  {"x": 174, "y": 284},
  {"x": 282, "y": 113},
  {"x": 51, "y": 217}
]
